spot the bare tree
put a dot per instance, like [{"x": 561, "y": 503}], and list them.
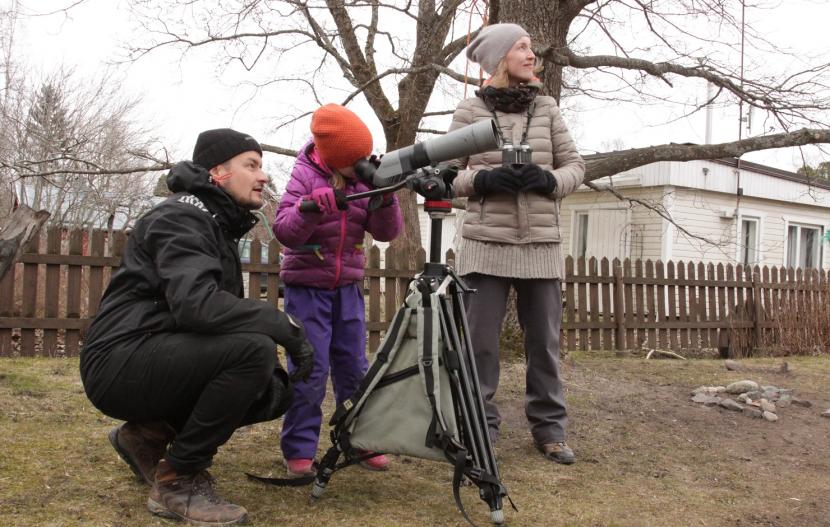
[
  {"x": 398, "y": 55},
  {"x": 59, "y": 142},
  {"x": 69, "y": 146}
]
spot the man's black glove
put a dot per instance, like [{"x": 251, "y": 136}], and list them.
[
  {"x": 499, "y": 179},
  {"x": 303, "y": 359},
  {"x": 301, "y": 352},
  {"x": 534, "y": 178}
]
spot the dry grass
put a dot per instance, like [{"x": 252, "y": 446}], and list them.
[{"x": 647, "y": 456}]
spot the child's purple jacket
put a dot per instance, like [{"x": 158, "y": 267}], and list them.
[{"x": 326, "y": 250}]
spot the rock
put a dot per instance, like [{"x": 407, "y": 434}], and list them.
[
  {"x": 783, "y": 403},
  {"x": 767, "y": 406},
  {"x": 699, "y": 389},
  {"x": 771, "y": 417},
  {"x": 769, "y": 389},
  {"x": 769, "y": 396},
  {"x": 801, "y": 402},
  {"x": 729, "y": 404},
  {"x": 732, "y": 365},
  {"x": 719, "y": 389},
  {"x": 742, "y": 387},
  {"x": 826, "y": 413},
  {"x": 703, "y": 398},
  {"x": 753, "y": 412},
  {"x": 742, "y": 398},
  {"x": 754, "y": 394}
]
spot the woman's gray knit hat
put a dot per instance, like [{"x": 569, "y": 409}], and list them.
[{"x": 492, "y": 43}]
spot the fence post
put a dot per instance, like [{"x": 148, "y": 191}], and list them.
[
  {"x": 759, "y": 312},
  {"x": 619, "y": 306}
]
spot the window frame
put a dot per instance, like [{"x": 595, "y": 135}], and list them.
[
  {"x": 583, "y": 240},
  {"x": 799, "y": 225},
  {"x": 742, "y": 246}
]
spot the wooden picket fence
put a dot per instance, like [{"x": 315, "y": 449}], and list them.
[
  {"x": 49, "y": 298},
  {"x": 624, "y": 305}
]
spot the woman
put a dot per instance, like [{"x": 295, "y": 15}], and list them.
[{"x": 511, "y": 234}]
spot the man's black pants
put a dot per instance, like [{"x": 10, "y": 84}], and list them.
[{"x": 204, "y": 386}]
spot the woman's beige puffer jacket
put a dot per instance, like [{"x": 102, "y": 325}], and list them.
[{"x": 529, "y": 217}]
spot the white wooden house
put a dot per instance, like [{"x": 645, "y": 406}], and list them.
[{"x": 747, "y": 213}]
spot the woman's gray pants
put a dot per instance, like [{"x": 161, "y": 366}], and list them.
[{"x": 539, "y": 306}]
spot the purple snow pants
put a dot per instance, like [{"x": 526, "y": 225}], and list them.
[{"x": 335, "y": 325}]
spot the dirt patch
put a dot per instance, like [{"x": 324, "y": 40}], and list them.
[
  {"x": 646, "y": 456},
  {"x": 640, "y": 438}
]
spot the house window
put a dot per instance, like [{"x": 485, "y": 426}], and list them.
[
  {"x": 749, "y": 241},
  {"x": 581, "y": 235},
  {"x": 803, "y": 245}
]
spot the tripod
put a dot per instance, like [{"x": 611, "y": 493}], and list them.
[
  {"x": 460, "y": 359},
  {"x": 453, "y": 427}
]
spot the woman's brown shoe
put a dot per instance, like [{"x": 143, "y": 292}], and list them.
[{"x": 558, "y": 452}]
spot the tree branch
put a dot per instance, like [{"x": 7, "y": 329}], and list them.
[
  {"x": 610, "y": 163},
  {"x": 760, "y": 98},
  {"x": 279, "y": 150}
]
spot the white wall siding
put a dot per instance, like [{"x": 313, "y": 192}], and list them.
[
  {"x": 639, "y": 237},
  {"x": 704, "y": 214},
  {"x": 699, "y": 212}
]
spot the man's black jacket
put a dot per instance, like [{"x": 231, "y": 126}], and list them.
[{"x": 180, "y": 273}]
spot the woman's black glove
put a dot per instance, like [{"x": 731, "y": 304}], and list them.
[
  {"x": 499, "y": 179},
  {"x": 534, "y": 178}
]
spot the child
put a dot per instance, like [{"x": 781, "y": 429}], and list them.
[{"x": 323, "y": 271}]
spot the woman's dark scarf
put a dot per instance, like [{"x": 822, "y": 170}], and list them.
[{"x": 509, "y": 100}]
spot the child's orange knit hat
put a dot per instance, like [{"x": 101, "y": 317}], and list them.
[{"x": 340, "y": 137}]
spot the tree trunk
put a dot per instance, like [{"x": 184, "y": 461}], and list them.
[
  {"x": 7, "y": 198},
  {"x": 414, "y": 94},
  {"x": 15, "y": 232}
]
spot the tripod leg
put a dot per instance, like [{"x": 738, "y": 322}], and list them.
[
  {"x": 469, "y": 400},
  {"x": 460, "y": 319},
  {"x": 327, "y": 467},
  {"x": 464, "y": 396}
]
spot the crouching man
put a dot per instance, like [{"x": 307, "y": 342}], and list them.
[{"x": 175, "y": 350}]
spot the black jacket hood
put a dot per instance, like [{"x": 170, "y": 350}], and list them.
[
  {"x": 191, "y": 178},
  {"x": 187, "y": 177}
]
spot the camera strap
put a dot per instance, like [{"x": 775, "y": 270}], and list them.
[{"x": 530, "y": 110}]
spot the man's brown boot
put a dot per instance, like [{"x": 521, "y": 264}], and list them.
[
  {"x": 142, "y": 445},
  {"x": 192, "y": 498}
]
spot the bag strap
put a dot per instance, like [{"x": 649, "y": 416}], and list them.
[{"x": 390, "y": 344}]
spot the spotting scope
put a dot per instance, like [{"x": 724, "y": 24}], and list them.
[{"x": 475, "y": 138}]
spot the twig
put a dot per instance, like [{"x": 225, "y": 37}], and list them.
[{"x": 665, "y": 352}]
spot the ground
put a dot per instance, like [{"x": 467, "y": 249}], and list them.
[{"x": 646, "y": 456}]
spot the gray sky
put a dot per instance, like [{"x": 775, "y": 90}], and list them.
[{"x": 181, "y": 98}]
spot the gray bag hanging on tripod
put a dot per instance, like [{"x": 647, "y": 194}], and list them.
[
  {"x": 394, "y": 414},
  {"x": 419, "y": 398}
]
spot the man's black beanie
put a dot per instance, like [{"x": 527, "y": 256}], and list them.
[{"x": 214, "y": 147}]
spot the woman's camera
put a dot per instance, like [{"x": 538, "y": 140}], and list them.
[{"x": 514, "y": 156}]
